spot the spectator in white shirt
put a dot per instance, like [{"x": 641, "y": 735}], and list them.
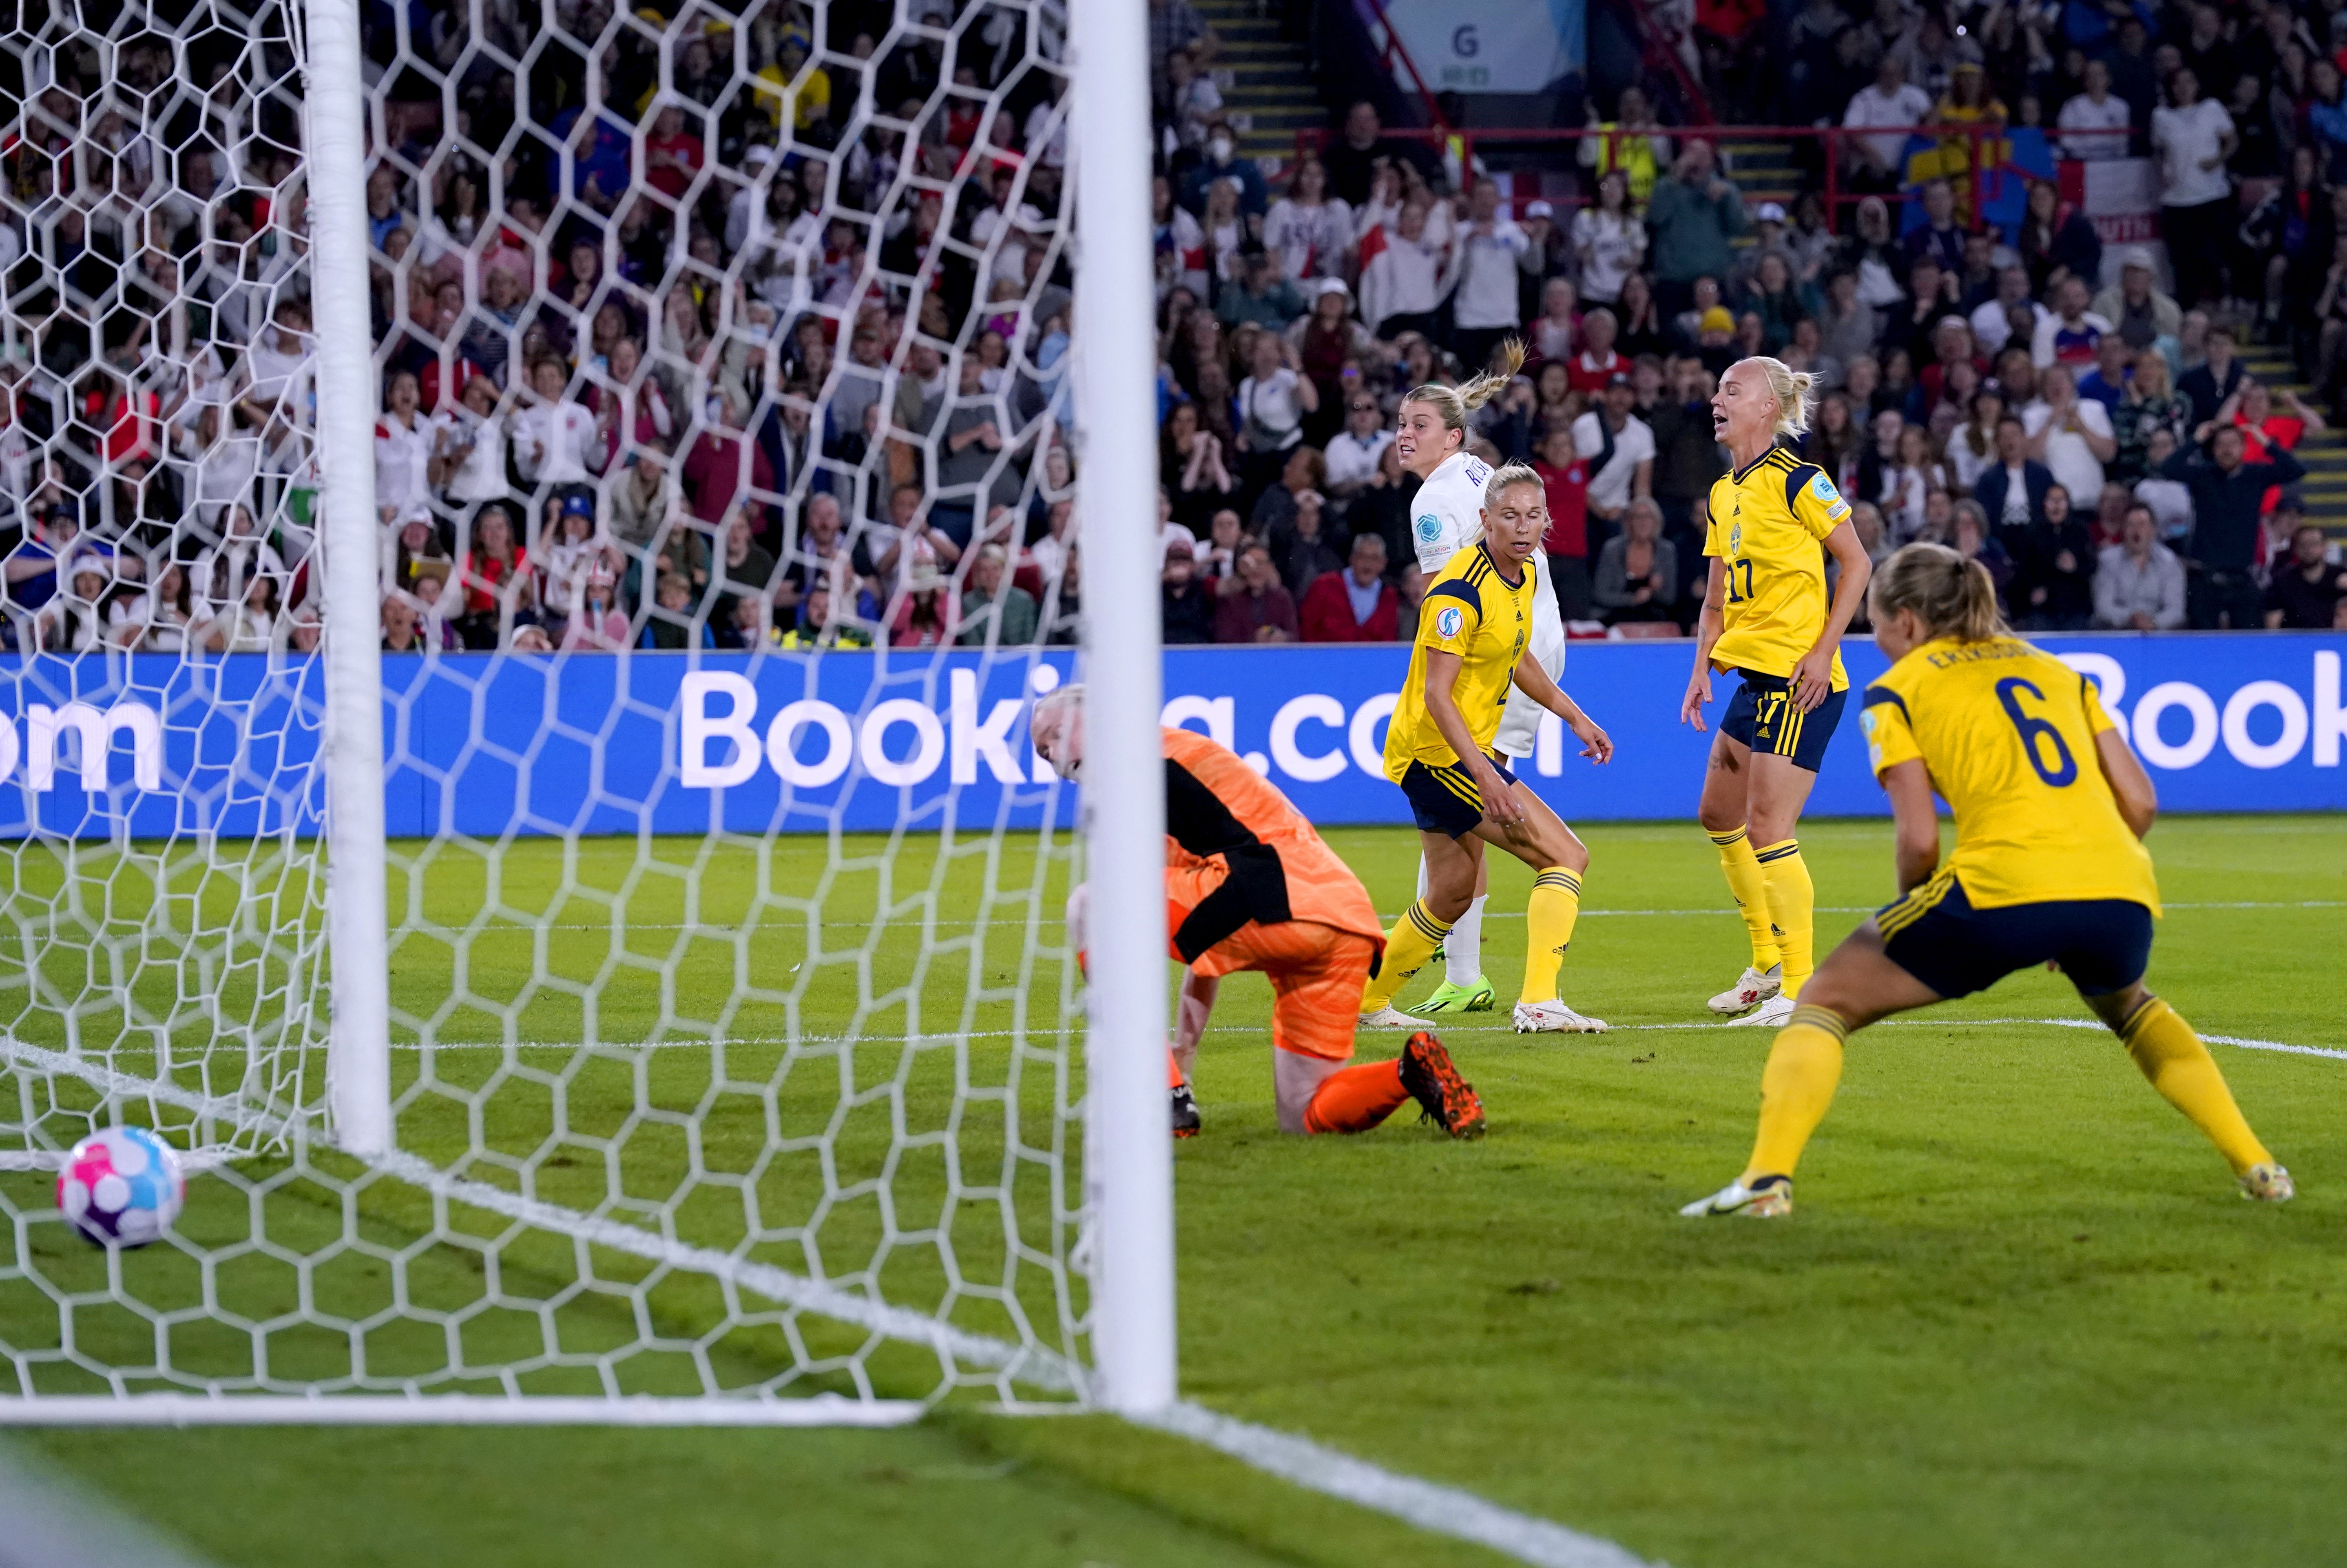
[
  {"x": 1629, "y": 473},
  {"x": 1487, "y": 255},
  {"x": 1888, "y": 102},
  {"x": 2192, "y": 136},
  {"x": 554, "y": 439},
  {"x": 403, "y": 447},
  {"x": 226, "y": 460},
  {"x": 468, "y": 447},
  {"x": 1991, "y": 319},
  {"x": 2070, "y": 434},
  {"x": 1402, "y": 276},
  {"x": 2094, "y": 123},
  {"x": 1308, "y": 230},
  {"x": 1608, "y": 241},
  {"x": 1354, "y": 451}
]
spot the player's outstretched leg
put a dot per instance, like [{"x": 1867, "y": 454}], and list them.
[
  {"x": 2178, "y": 1065},
  {"x": 1316, "y": 1095},
  {"x": 1858, "y": 984}
]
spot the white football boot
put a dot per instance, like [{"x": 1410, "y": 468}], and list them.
[
  {"x": 1773, "y": 1199},
  {"x": 1554, "y": 1017},
  {"x": 2268, "y": 1185},
  {"x": 1391, "y": 1017},
  {"x": 1774, "y": 1014},
  {"x": 1755, "y": 987}
]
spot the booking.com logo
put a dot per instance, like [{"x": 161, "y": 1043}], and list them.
[{"x": 2177, "y": 724}]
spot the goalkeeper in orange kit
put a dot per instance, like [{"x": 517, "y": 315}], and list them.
[{"x": 1250, "y": 886}]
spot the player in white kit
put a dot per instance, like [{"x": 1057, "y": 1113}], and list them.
[{"x": 1446, "y": 517}]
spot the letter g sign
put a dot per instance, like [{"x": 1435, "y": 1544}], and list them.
[{"x": 1464, "y": 44}]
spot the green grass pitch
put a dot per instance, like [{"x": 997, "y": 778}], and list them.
[{"x": 2020, "y": 1317}]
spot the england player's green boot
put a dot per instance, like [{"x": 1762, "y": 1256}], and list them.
[{"x": 1450, "y": 1000}]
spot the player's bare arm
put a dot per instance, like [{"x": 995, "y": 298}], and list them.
[
  {"x": 1595, "y": 743},
  {"x": 1812, "y": 678},
  {"x": 1917, "y": 819},
  {"x": 2131, "y": 787},
  {"x": 1708, "y": 627}
]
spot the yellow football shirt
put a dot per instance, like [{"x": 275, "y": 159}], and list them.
[
  {"x": 1474, "y": 611},
  {"x": 1768, "y": 522},
  {"x": 2008, "y": 735}
]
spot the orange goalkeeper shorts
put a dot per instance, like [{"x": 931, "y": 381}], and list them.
[{"x": 1316, "y": 974}]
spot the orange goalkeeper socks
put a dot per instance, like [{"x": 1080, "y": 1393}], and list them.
[{"x": 1356, "y": 1099}]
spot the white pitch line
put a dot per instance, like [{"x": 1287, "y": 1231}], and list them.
[{"x": 1429, "y": 1505}]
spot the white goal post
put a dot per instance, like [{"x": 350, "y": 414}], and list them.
[{"x": 612, "y": 1004}]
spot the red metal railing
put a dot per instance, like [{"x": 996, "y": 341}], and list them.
[
  {"x": 1984, "y": 170},
  {"x": 1372, "y": 14}
]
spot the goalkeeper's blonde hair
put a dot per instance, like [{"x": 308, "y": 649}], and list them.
[
  {"x": 1951, "y": 594},
  {"x": 1796, "y": 392},
  {"x": 1454, "y": 404}
]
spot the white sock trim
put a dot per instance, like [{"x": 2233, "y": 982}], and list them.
[{"x": 1463, "y": 950}]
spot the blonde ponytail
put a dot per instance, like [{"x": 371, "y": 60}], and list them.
[
  {"x": 1954, "y": 596},
  {"x": 1454, "y": 404}
]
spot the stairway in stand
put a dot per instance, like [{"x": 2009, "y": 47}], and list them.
[{"x": 1265, "y": 81}]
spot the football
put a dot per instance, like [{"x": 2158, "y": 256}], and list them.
[{"x": 121, "y": 1187}]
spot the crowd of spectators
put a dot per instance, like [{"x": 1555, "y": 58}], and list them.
[{"x": 707, "y": 331}]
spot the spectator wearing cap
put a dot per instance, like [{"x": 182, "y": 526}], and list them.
[
  {"x": 1327, "y": 347},
  {"x": 1629, "y": 473},
  {"x": 2135, "y": 307},
  {"x": 1258, "y": 294},
  {"x": 1489, "y": 254},
  {"x": 1355, "y": 605},
  {"x": 1715, "y": 339},
  {"x": 1695, "y": 216}
]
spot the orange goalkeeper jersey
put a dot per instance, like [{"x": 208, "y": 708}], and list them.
[{"x": 1237, "y": 851}]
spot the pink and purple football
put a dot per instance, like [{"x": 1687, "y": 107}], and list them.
[{"x": 121, "y": 1187}]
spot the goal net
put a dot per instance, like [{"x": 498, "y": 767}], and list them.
[{"x": 722, "y": 469}]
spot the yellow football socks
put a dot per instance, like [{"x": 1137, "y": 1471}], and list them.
[
  {"x": 1791, "y": 900},
  {"x": 2187, "y": 1077},
  {"x": 1548, "y": 921},
  {"x": 1804, "y": 1066},
  {"x": 1742, "y": 869},
  {"x": 1409, "y": 945}
]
